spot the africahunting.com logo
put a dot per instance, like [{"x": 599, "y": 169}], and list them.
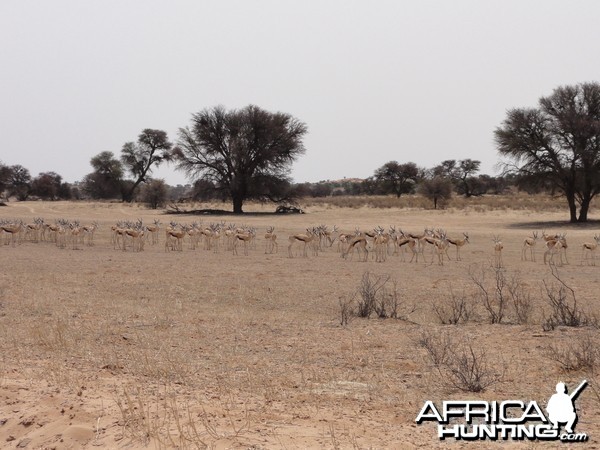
[{"x": 510, "y": 419}]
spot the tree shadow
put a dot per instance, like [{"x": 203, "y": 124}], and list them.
[
  {"x": 223, "y": 212},
  {"x": 560, "y": 224}
]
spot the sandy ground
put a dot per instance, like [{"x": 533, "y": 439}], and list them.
[{"x": 195, "y": 349}]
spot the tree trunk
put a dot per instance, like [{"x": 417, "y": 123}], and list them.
[
  {"x": 126, "y": 195},
  {"x": 237, "y": 203},
  {"x": 572, "y": 207},
  {"x": 434, "y": 202},
  {"x": 130, "y": 194},
  {"x": 585, "y": 207}
]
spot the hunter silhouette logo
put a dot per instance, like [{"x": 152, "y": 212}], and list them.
[
  {"x": 561, "y": 407},
  {"x": 509, "y": 419}
]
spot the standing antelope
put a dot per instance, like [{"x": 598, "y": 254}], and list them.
[
  {"x": 332, "y": 235},
  {"x": 434, "y": 238},
  {"x": 229, "y": 233},
  {"x": 244, "y": 238},
  {"x": 413, "y": 244},
  {"x": 343, "y": 240},
  {"x": 76, "y": 234},
  {"x": 218, "y": 230},
  {"x": 88, "y": 231},
  {"x": 441, "y": 247},
  {"x": 136, "y": 232},
  {"x": 13, "y": 229},
  {"x": 380, "y": 241},
  {"x": 118, "y": 233},
  {"x": 529, "y": 244},
  {"x": 421, "y": 240},
  {"x": 459, "y": 243},
  {"x": 194, "y": 233},
  {"x": 153, "y": 231},
  {"x": 61, "y": 233},
  {"x": 207, "y": 234},
  {"x": 270, "y": 240},
  {"x": 556, "y": 245},
  {"x": 498, "y": 246},
  {"x": 588, "y": 250},
  {"x": 174, "y": 235},
  {"x": 32, "y": 230},
  {"x": 546, "y": 237},
  {"x": 306, "y": 239},
  {"x": 360, "y": 244}
]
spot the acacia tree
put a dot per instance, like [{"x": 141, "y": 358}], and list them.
[
  {"x": 246, "y": 152},
  {"x": 19, "y": 182},
  {"x": 462, "y": 174},
  {"x": 397, "y": 178},
  {"x": 558, "y": 143},
  {"x": 139, "y": 158},
  {"x": 47, "y": 185},
  {"x": 154, "y": 193},
  {"x": 438, "y": 189},
  {"x": 4, "y": 178},
  {"x": 107, "y": 178}
]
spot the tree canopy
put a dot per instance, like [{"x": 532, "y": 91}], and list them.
[
  {"x": 462, "y": 173},
  {"x": 139, "y": 158},
  {"x": 19, "y": 182},
  {"x": 247, "y": 153},
  {"x": 397, "y": 178},
  {"x": 107, "y": 178},
  {"x": 437, "y": 188},
  {"x": 49, "y": 186},
  {"x": 559, "y": 143}
]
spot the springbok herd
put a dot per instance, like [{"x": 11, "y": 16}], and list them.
[{"x": 378, "y": 242}]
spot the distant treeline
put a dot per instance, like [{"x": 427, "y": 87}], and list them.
[{"x": 449, "y": 178}]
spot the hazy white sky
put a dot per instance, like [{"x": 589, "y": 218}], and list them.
[{"x": 419, "y": 81}]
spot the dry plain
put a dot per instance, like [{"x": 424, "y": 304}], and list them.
[{"x": 195, "y": 349}]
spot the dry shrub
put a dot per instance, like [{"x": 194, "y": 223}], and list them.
[
  {"x": 501, "y": 296},
  {"x": 582, "y": 353},
  {"x": 469, "y": 369},
  {"x": 460, "y": 364},
  {"x": 346, "y": 310},
  {"x": 521, "y": 300},
  {"x": 564, "y": 309},
  {"x": 369, "y": 291},
  {"x": 492, "y": 296},
  {"x": 438, "y": 346},
  {"x": 375, "y": 295},
  {"x": 457, "y": 309}
]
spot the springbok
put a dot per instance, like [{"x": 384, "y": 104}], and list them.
[
  {"x": 588, "y": 250},
  {"x": 529, "y": 244},
  {"x": 306, "y": 239},
  {"x": 498, "y": 246},
  {"x": 459, "y": 243}
]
